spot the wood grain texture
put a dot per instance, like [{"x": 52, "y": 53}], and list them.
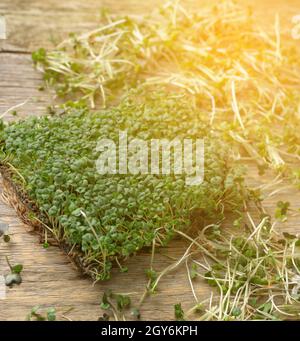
[{"x": 49, "y": 278}]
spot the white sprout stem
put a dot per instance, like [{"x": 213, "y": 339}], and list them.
[
  {"x": 173, "y": 266},
  {"x": 235, "y": 106},
  {"x": 96, "y": 31},
  {"x": 190, "y": 281},
  {"x": 278, "y": 38},
  {"x": 14, "y": 107}
]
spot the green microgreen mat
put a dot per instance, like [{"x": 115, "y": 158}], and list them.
[{"x": 112, "y": 216}]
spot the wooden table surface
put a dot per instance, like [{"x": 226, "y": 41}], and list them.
[{"x": 49, "y": 279}]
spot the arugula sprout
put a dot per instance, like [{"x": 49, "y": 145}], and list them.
[
  {"x": 123, "y": 302},
  {"x": 36, "y": 314},
  {"x": 281, "y": 210},
  {"x": 15, "y": 274},
  {"x": 179, "y": 313},
  {"x": 51, "y": 314},
  {"x": 105, "y": 305},
  {"x": 136, "y": 313},
  {"x": 117, "y": 304}
]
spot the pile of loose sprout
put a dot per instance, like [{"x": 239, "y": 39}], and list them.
[
  {"x": 243, "y": 85},
  {"x": 256, "y": 273},
  {"x": 255, "y": 270}
]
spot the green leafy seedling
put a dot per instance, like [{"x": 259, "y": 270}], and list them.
[
  {"x": 36, "y": 314},
  {"x": 123, "y": 302},
  {"x": 282, "y": 210},
  {"x": 15, "y": 274},
  {"x": 179, "y": 313},
  {"x": 136, "y": 313}
]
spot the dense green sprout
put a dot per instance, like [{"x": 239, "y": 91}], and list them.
[{"x": 110, "y": 217}]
